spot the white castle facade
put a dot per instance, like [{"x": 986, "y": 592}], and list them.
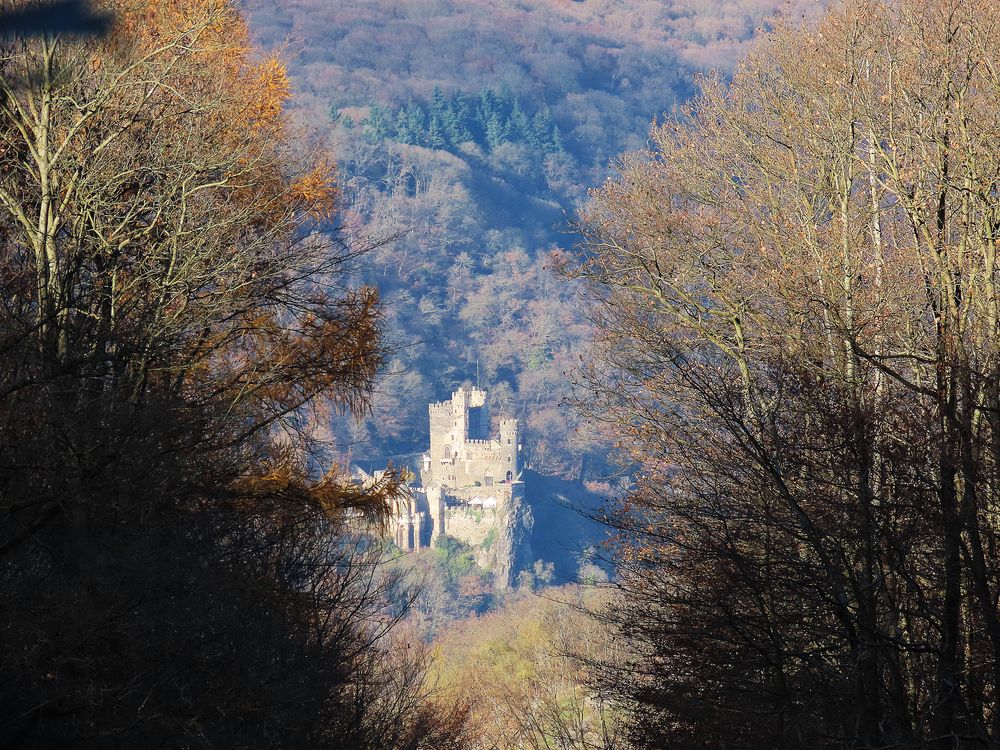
[{"x": 468, "y": 467}]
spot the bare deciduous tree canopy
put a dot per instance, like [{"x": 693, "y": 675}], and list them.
[{"x": 797, "y": 294}]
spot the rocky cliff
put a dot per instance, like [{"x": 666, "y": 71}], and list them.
[
  {"x": 553, "y": 523},
  {"x": 512, "y": 550}
]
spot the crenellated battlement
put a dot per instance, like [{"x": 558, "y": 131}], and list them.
[
  {"x": 472, "y": 397},
  {"x": 494, "y": 443}
]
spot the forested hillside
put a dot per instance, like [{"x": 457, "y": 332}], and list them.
[
  {"x": 467, "y": 135},
  {"x": 783, "y": 310}
]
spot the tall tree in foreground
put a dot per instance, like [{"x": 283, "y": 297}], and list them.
[
  {"x": 796, "y": 289},
  {"x": 175, "y": 568}
]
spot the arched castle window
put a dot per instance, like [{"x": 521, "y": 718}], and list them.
[
  {"x": 447, "y": 451},
  {"x": 510, "y": 476},
  {"x": 488, "y": 480}
]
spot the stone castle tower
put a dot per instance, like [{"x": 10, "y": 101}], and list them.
[{"x": 463, "y": 458}]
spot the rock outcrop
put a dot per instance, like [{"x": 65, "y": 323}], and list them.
[
  {"x": 511, "y": 550},
  {"x": 553, "y": 522}
]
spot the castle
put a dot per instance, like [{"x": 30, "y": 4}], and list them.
[{"x": 465, "y": 469}]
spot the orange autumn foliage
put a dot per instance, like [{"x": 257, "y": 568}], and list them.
[
  {"x": 185, "y": 227},
  {"x": 317, "y": 191}
]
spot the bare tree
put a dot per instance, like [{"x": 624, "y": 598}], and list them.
[{"x": 795, "y": 290}]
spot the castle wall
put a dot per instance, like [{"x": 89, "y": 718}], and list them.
[
  {"x": 497, "y": 495},
  {"x": 436, "y": 504},
  {"x": 481, "y": 461},
  {"x": 469, "y": 525}
]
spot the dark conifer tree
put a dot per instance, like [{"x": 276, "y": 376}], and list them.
[
  {"x": 416, "y": 122},
  {"x": 438, "y": 102},
  {"x": 436, "y": 134},
  {"x": 403, "y": 134},
  {"x": 558, "y": 146},
  {"x": 495, "y": 131},
  {"x": 377, "y": 125},
  {"x": 410, "y": 124},
  {"x": 540, "y": 133},
  {"x": 506, "y": 97},
  {"x": 518, "y": 125},
  {"x": 489, "y": 107},
  {"x": 464, "y": 116},
  {"x": 459, "y": 119}
]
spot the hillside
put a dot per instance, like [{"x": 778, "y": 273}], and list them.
[{"x": 468, "y": 212}]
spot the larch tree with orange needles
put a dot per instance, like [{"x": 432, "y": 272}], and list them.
[
  {"x": 177, "y": 566},
  {"x": 161, "y": 232}
]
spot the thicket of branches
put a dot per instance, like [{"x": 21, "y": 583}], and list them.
[
  {"x": 796, "y": 289},
  {"x": 176, "y": 570}
]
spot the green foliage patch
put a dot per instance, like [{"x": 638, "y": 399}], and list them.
[{"x": 489, "y": 119}]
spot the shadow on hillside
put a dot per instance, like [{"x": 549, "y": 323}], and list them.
[{"x": 563, "y": 527}]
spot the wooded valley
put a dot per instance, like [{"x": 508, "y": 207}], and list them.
[
  {"x": 467, "y": 135},
  {"x": 750, "y": 314}
]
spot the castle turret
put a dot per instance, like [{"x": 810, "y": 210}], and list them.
[
  {"x": 452, "y": 424},
  {"x": 509, "y": 449},
  {"x": 441, "y": 453},
  {"x": 460, "y": 417}
]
